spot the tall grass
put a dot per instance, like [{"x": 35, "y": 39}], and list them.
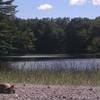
[
  {"x": 70, "y": 76},
  {"x": 44, "y": 76}
]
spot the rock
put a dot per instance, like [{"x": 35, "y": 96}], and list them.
[{"x": 6, "y": 88}]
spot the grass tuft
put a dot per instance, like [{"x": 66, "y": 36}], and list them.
[{"x": 48, "y": 77}]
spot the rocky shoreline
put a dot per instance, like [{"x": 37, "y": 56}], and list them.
[{"x": 52, "y": 92}]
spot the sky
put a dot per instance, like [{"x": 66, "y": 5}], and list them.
[{"x": 57, "y": 8}]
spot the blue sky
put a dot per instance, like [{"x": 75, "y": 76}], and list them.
[{"x": 57, "y": 8}]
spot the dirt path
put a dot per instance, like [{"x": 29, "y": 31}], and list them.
[{"x": 40, "y": 92}]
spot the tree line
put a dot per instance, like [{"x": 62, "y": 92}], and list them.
[{"x": 48, "y": 35}]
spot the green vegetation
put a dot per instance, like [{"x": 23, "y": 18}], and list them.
[
  {"x": 6, "y": 8},
  {"x": 47, "y": 77},
  {"x": 47, "y": 36}
]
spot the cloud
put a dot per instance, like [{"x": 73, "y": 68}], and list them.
[
  {"x": 96, "y": 2},
  {"x": 77, "y": 2},
  {"x": 45, "y": 7}
]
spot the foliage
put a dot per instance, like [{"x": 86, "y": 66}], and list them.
[
  {"x": 7, "y": 8},
  {"x": 47, "y": 77},
  {"x": 49, "y": 36}
]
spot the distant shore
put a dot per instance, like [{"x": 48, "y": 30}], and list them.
[{"x": 48, "y": 57}]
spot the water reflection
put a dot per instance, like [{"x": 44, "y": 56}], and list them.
[{"x": 58, "y": 64}]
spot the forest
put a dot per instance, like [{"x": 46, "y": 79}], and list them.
[{"x": 47, "y": 35}]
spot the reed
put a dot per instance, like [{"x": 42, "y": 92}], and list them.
[{"x": 52, "y": 77}]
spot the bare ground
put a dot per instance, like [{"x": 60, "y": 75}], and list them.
[{"x": 52, "y": 92}]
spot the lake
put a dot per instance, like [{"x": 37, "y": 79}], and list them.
[{"x": 56, "y": 64}]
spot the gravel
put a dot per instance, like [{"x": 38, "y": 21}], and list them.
[{"x": 52, "y": 92}]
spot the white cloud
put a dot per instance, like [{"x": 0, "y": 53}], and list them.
[
  {"x": 45, "y": 7},
  {"x": 96, "y": 2},
  {"x": 77, "y": 2}
]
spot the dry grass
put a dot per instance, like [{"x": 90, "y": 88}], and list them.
[{"x": 68, "y": 77}]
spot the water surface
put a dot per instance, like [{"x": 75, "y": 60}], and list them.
[{"x": 57, "y": 64}]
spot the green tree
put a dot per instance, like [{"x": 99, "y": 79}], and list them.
[
  {"x": 7, "y": 27},
  {"x": 7, "y": 8}
]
